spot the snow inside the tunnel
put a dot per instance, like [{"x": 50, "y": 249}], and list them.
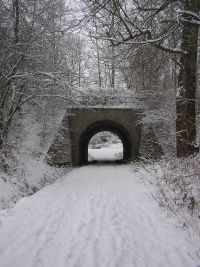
[{"x": 105, "y": 146}]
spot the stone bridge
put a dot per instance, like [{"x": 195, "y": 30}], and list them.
[{"x": 80, "y": 124}]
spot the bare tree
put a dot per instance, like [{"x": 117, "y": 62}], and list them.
[
  {"x": 158, "y": 23},
  {"x": 32, "y": 54}
]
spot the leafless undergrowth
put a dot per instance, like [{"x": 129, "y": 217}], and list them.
[{"x": 177, "y": 188}]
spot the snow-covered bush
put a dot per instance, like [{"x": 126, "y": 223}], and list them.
[
  {"x": 28, "y": 178},
  {"x": 103, "y": 139}
]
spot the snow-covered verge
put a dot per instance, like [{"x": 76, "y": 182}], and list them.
[
  {"x": 28, "y": 178},
  {"x": 177, "y": 188},
  {"x": 26, "y": 168}
]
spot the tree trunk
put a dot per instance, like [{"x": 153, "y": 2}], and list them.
[
  {"x": 98, "y": 59},
  {"x": 113, "y": 69},
  {"x": 186, "y": 96},
  {"x": 16, "y": 21},
  {"x": 113, "y": 54},
  {"x": 1, "y": 129}
]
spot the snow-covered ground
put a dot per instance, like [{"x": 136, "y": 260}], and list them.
[
  {"x": 111, "y": 153},
  {"x": 96, "y": 216}
]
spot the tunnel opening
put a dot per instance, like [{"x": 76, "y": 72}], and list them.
[
  {"x": 104, "y": 126},
  {"x": 105, "y": 147}
]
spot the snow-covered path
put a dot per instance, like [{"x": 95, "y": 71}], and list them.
[{"x": 97, "y": 216}]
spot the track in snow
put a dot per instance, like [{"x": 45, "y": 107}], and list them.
[{"x": 97, "y": 216}]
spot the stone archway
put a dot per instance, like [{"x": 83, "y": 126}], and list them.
[{"x": 70, "y": 146}]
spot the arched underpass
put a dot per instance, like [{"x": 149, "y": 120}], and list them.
[{"x": 79, "y": 125}]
